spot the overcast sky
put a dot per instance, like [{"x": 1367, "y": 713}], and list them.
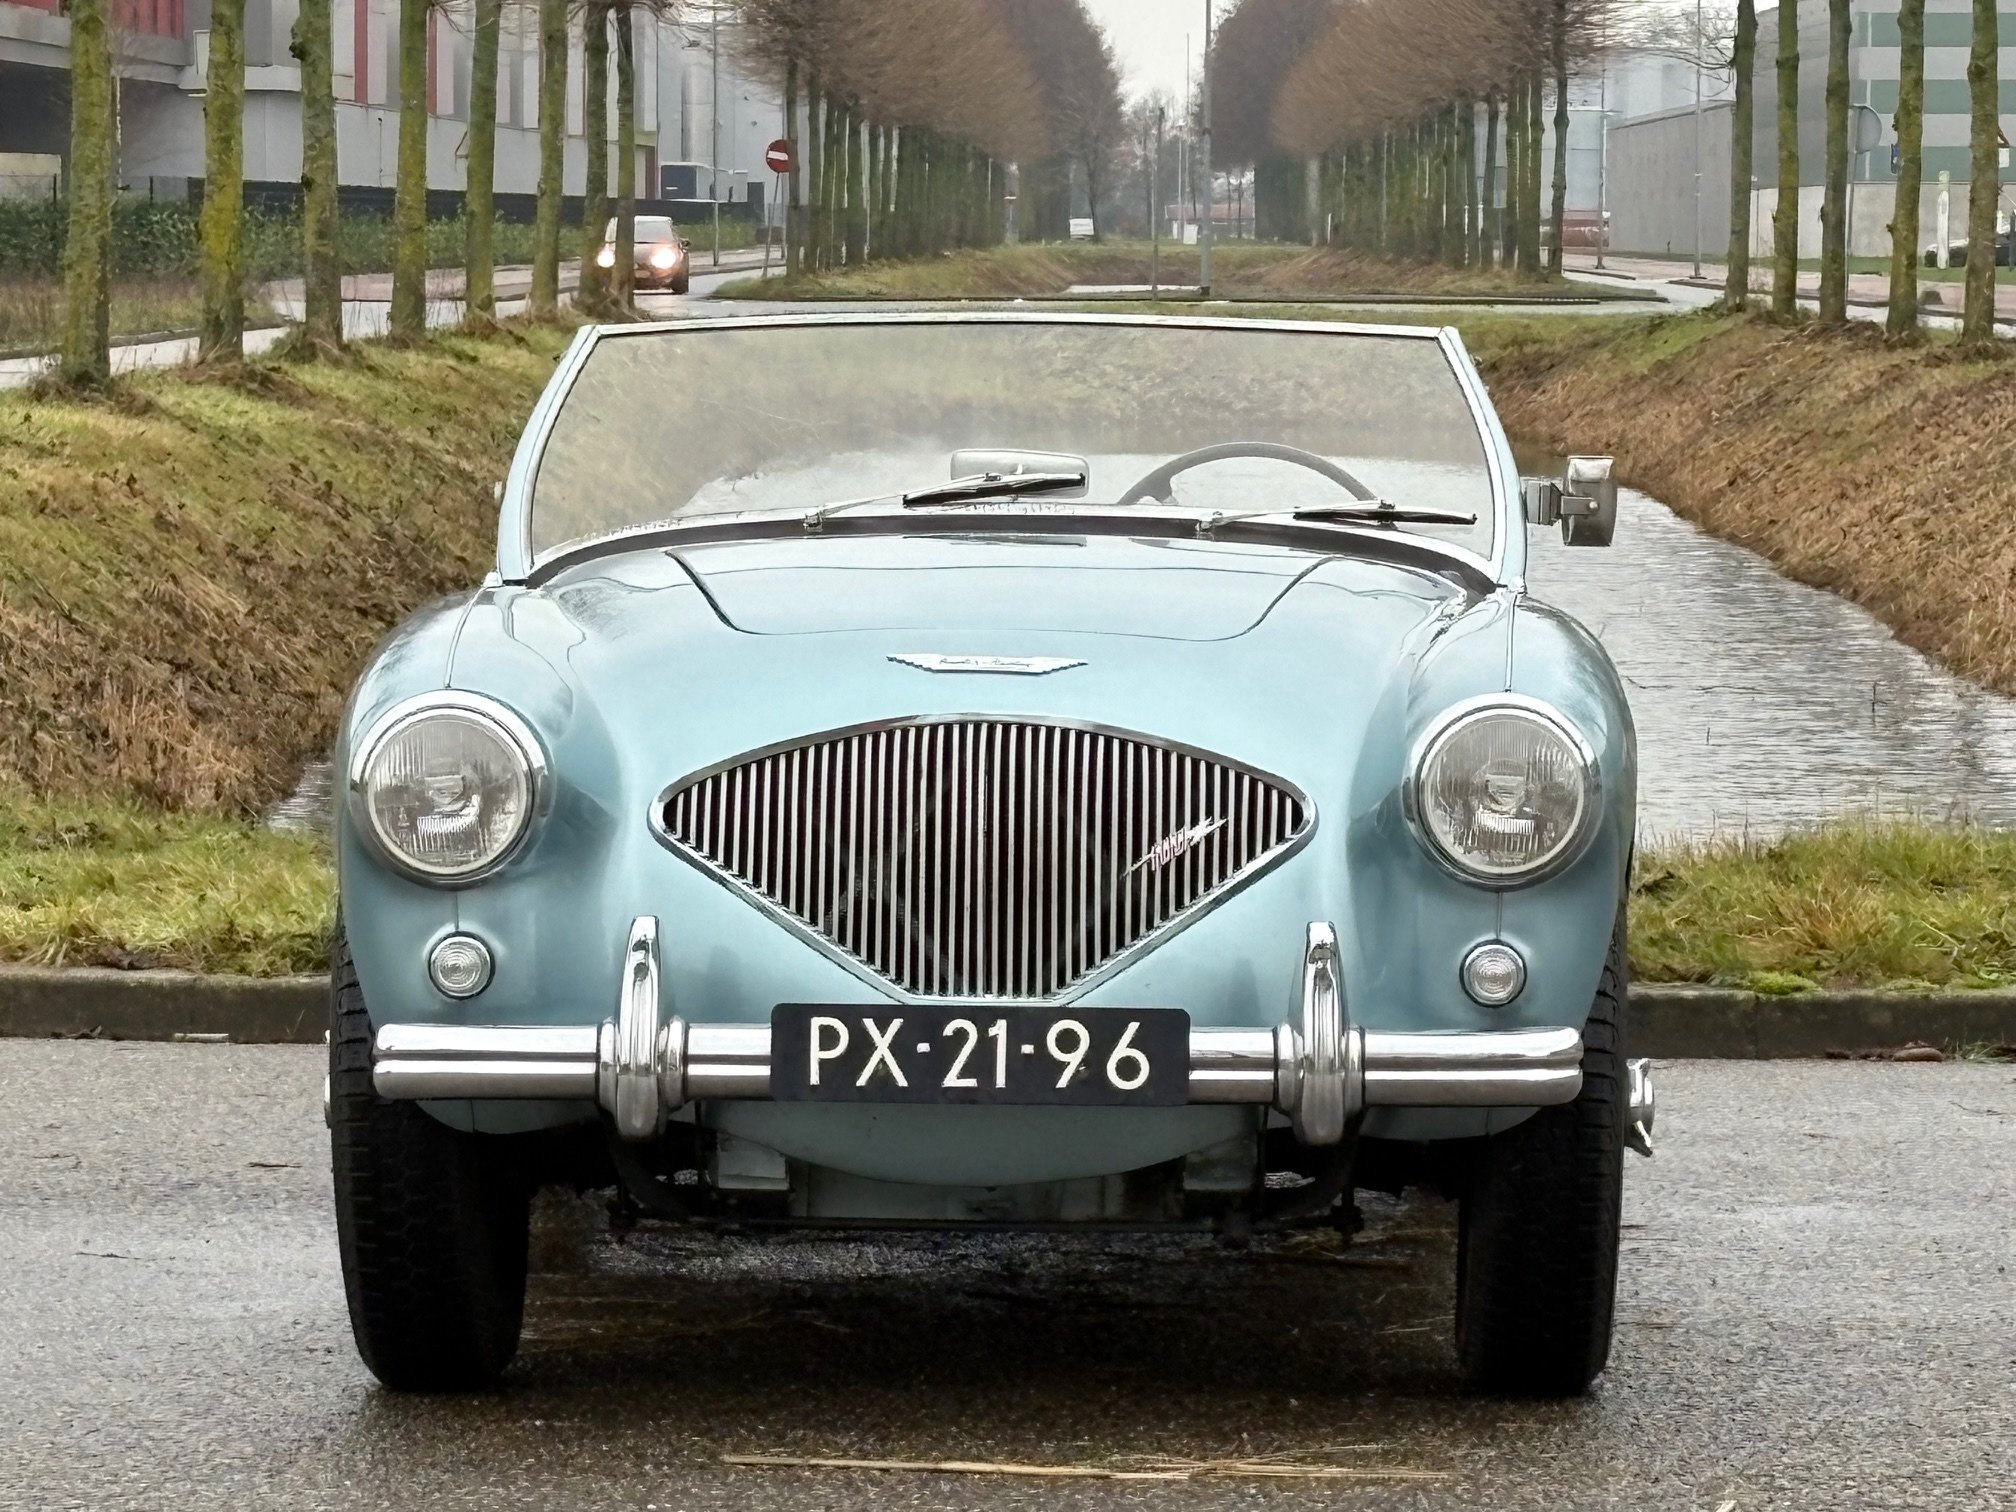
[{"x": 1148, "y": 36}]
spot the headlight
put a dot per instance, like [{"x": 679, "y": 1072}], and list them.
[
  {"x": 445, "y": 786},
  {"x": 1503, "y": 791},
  {"x": 663, "y": 258},
  {"x": 606, "y": 258}
]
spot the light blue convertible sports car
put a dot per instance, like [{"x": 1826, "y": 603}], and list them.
[{"x": 981, "y": 770}]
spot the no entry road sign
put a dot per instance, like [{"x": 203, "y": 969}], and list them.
[{"x": 777, "y": 156}]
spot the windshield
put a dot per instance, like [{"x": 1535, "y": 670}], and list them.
[
  {"x": 649, "y": 228},
  {"x": 662, "y": 426}
]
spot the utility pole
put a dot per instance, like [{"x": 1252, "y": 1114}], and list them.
[
  {"x": 1602, "y": 154},
  {"x": 1204, "y": 230},
  {"x": 714, "y": 113},
  {"x": 1697, "y": 138},
  {"x": 1186, "y": 180},
  {"x": 1155, "y": 211}
]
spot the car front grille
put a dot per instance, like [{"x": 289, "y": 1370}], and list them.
[{"x": 983, "y": 858}]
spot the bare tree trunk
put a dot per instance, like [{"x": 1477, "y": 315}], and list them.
[
  {"x": 322, "y": 316},
  {"x": 1742, "y": 126},
  {"x": 221, "y": 226},
  {"x": 877, "y": 190},
  {"x": 552, "y": 139},
  {"x": 623, "y": 282},
  {"x": 1487, "y": 241},
  {"x": 593, "y": 292},
  {"x": 480, "y": 179},
  {"x": 792, "y": 252},
  {"x": 1984, "y": 187},
  {"x": 1903, "y": 315},
  {"x": 1834, "y": 198},
  {"x": 1558, "y": 212},
  {"x": 87, "y": 246},
  {"x": 815, "y": 163},
  {"x": 1529, "y": 213},
  {"x": 409, "y": 197},
  {"x": 1785, "y": 216},
  {"x": 857, "y": 190}
]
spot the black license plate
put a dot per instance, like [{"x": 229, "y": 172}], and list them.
[{"x": 1112, "y": 1057}]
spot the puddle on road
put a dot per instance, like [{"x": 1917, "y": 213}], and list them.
[{"x": 1761, "y": 704}]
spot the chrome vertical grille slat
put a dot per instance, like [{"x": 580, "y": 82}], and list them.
[{"x": 983, "y": 858}]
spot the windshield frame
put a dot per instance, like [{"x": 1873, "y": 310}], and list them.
[{"x": 516, "y": 563}]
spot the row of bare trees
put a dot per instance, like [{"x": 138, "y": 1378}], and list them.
[
  {"x": 907, "y": 114},
  {"x": 1380, "y": 124}
]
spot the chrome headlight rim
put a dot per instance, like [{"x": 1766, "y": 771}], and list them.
[
  {"x": 1452, "y": 722},
  {"x": 501, "y": 721}
]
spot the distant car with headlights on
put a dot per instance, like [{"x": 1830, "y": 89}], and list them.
[
  {"x": 661, "y": 256},
  {"x": 994, "y": 770}
]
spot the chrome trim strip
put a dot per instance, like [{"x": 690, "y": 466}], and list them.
[
  {"x": 1509, "y": 1068},
  {"x": 937, "y": 896},
  {"x": 505, "y": 721},
  {"x": 1508, "y": 513},
  {"x": 1445, "y": 724},
  {"x": 514, "y": 510}
]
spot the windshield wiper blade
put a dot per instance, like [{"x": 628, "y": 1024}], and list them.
[
  {"x": 1382, "y": 513},
  {"x": 1379, "y": 512},
  {"x": 984, "y": 486}
]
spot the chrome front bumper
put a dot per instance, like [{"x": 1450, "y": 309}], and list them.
[{"x": 1319, "y": 1069}]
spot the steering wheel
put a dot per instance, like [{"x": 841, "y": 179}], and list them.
[{"x": 1158, "y": 484}]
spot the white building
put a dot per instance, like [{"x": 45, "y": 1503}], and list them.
[{"x": 161, "y": 52}]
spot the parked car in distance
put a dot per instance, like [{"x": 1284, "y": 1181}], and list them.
[
  {"x": 661, "y": 256},
  {"x": 987, "y": 771}
]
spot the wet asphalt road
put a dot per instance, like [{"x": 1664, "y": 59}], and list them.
[{"x": 1818, "y": 1310}]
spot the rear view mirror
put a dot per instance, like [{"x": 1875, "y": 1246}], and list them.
[
  {"x": 1584, "y": 504},
  {"x": 972, "y": 462},
  {"x": 1589, "y": 502}
]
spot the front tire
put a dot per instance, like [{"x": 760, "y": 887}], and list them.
[
  {"x": 1536, "y": 1263},
  {"x": 432, "y": 1223}
]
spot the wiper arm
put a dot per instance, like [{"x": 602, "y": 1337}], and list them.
[
  {"x": 983, "y": 486},
  {"x": 972, "y": 490},
  {"x": 1380, "y": 512}
]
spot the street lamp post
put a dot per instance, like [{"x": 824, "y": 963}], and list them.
[
  {"x": 714, "y": 118},
  {"x": 1204, "y": 230},
  {"x": 1155, "y": 210}
]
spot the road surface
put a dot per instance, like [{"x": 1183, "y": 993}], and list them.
[{"x": 1816, "y": 1312}]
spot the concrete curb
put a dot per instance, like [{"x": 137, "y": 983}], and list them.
[{"x": 1668, "y": 1022}]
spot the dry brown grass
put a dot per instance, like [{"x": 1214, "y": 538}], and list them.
[
  {"x": 1882, "y": 472},
  {"x": 193, "y": 570}
]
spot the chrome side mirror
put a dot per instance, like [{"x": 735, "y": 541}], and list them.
[
  {"x": 1584, "y": 505},
  {"x": 1589, "y": 502}
]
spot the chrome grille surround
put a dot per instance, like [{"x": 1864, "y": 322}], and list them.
[{"x": 971, "y": 856}]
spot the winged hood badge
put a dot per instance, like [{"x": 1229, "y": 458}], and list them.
[{"x": 1014, "y": 666}]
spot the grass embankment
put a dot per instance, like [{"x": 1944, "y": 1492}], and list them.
[
  {"x": 1032, "y": 270},
  {"x": 122, "y": 885},
  {"x": 1885, "y": 473},
  {"x": 192, "y": 573}
]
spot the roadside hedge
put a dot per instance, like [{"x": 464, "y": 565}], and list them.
[{"x": 153, "y": 238}]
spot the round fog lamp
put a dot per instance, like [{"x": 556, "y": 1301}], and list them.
[
  {"x": 460, "y": 966},
  {"x": 1494, "y": 974}
]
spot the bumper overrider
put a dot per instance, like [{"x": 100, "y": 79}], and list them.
[{"x": 1319, "y": 1069}]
